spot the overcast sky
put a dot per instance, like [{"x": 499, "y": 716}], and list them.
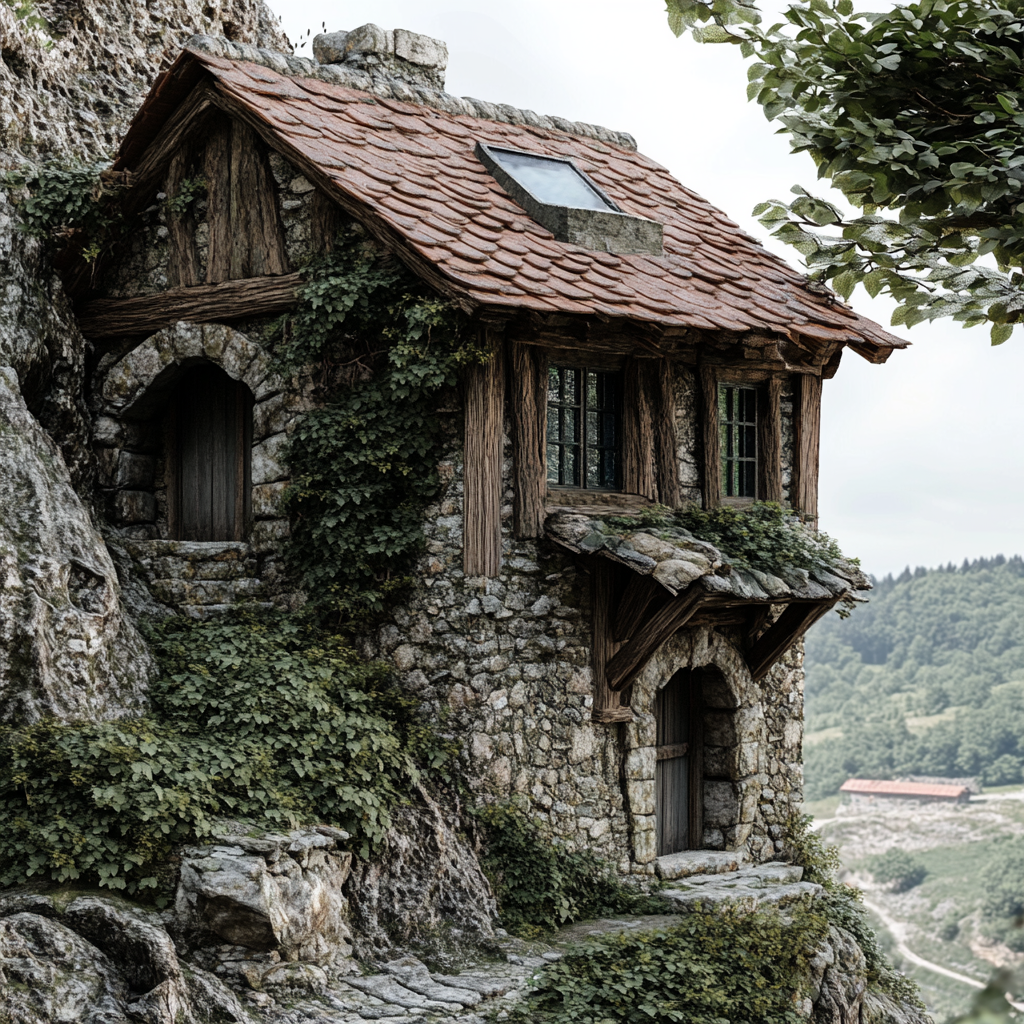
[{"x": 920, "y": 460}]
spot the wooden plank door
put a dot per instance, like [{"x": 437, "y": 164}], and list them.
[
  {"x": 212, "y": 456},
  {"x": 678, "y": 774}
]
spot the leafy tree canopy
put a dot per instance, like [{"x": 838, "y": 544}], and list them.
[
  {"x": 917, "y": 116},
  {"x": 940, "y": 650}
]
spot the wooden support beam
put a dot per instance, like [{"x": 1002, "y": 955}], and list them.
[
  {"x": 217, "y": 303},
  {"x": 637, "y": 431},
  {"x": 710, "y": 442},
  {"x": 608, "y": 705},
  {"x": 795, "y": 620},
  {"x": 257, "y": 234},
  {"x": 630, "y": 659},
  {"x": 182, "y": 256},
  {"x": 808, "y": 439},
  {"x": 217, "y": 169},
  {"x": 529, "y": 392},
  {"x": 484, "y": 421},
  {"x": 770, "y": 441},
  {"x": 665, "y": 435},
  {"x": 640, "y": 593}
]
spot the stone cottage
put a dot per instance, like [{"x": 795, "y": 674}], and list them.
[{"x": 643, "y": 696}]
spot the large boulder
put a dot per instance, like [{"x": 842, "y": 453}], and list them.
[
  {"x": 100, "y": 960},
  {"x": 66, "y": 646},
  {"x": 279, "y": 892}
]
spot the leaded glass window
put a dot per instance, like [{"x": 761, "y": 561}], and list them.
[
  {"x": 737, "y": 422},
  {"x": 584, "y": 443}
]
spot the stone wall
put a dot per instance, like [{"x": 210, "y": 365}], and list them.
[{"x": 505, "y": 663}]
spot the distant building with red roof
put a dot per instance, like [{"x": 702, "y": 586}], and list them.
[{"x": 859, "y": 791}]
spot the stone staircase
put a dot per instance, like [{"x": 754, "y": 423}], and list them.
[{"x": 406, "y": 992}]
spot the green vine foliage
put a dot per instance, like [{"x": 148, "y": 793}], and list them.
[
  {"x": 806, "y": 848},
  {"x": 843, "y": 906},
  {"x": 540, "y": 886},
  {"x": 728, "y": 965},
  {"x": 268, "y": 720},
  {"x": 189, "y": 190},
  {"x": 79, "y": 204},
  {"x": 763, "y": 536},
  {"x": 365, "y": 464}
]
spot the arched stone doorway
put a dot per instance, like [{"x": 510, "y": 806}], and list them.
[
  {"x": 190, "y": 440},
  {"x": 703, "y": 676},
  {"x": 208, "y": 456}
]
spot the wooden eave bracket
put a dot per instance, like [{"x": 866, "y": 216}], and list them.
[{"x": 779, "y": 637}]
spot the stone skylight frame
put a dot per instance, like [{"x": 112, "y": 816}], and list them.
[{"x": 610, "y": 230}]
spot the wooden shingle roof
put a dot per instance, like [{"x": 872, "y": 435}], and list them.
[{"x": 411, "y": 168}]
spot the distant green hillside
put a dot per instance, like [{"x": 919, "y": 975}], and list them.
[{"x": 925, "y": 679}]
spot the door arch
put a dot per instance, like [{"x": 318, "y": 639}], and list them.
[
  {"x": 679, "y": 767},
  {"x": 209, "y": 456}
]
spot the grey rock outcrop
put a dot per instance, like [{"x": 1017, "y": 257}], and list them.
[
  {"x": 67, "y": 647},
  {"x": 280, "y": 892},
  {"x": 426, "y": 883},
  {"x": 100, "y": 961}
]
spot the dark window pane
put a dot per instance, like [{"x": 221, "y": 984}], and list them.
[
  {"x": 737, "y": 415},
  {"x": 583, "y": 427}
]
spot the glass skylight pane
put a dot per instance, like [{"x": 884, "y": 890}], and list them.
[{"x": 554, "y": 182}]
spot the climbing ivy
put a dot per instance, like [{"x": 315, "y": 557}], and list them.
[
  {"x": 843, "y": 906},
  {"x": 365, "y": 463},
  {"x": 264, "y": 719},
  {"x": 189, "y": 190},
  {"x": 715, "y": 966},
  {"x": 77, "y": 205}
]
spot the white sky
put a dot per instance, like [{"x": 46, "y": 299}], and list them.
[{"x": 921, "y": 459}]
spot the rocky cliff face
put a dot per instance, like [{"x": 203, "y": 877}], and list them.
[{"x": 67, "y": 646}]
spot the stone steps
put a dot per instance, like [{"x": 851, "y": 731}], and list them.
[{"x": 748, "y": 886}]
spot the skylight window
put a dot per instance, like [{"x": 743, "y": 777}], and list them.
[
  {"x": 552, "y": 181},
  {"x": 561, "y": 198}
]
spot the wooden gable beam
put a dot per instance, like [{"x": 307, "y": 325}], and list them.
[
  {"x": 355, "y": 208},
  {"x": 792, "y": 624},
  {"x": 203, "y": 304}
]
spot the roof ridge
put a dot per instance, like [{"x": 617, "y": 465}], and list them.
[{"x": 393, "y": 88}]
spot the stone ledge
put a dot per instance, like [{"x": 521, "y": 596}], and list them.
[{"x": 697, "y": 862}]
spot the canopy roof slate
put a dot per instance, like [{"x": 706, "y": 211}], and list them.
[{"x": 409, "y": 164}]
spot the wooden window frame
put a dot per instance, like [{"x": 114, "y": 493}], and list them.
[
  {"x": 583, "y": 444},
  {"x": 724, "y": 425},
  {"x": 650, "y": 464},
  {"x": 769, "y": 434}
]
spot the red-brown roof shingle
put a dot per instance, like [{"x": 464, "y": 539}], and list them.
[{"x": 415, "y": 168}]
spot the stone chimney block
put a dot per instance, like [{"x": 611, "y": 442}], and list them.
[
  {"x": 422, "y": 50},
  {"x": 398, "y": 54},
  {"x": 329, "y": 47}
]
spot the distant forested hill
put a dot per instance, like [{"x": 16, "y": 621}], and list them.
[{"x": 925, "y": 679}]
